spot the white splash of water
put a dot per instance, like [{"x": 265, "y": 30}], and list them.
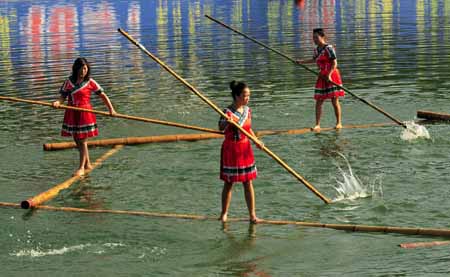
[
  {"x": 414, "y": 131},
  {"x": 351, "y": 187},
  {"x": 41, "y": 253}
]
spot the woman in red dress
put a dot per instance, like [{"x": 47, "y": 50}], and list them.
[
  {"x": 81, "y": 125},
  {"x": 237, "y": 161},
  {"x": 325, "y": 58}
]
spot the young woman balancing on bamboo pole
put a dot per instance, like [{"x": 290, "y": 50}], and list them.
[
  {"x": 325, "y": 58},
  {"x": 237, "y": 161},
  {"x": 78, "y": 124}
]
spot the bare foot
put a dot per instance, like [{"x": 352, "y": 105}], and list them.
[
  {"x": 79, "y": 172},
  {"x": 88, "y": 166},
  {"x": 255, "y": 220},
  {"x": 223, "y": 217},
  {"x": 338, "y": 126},
  {"x": 316, "y": 128}
]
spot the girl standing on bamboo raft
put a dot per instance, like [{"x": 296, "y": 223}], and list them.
[
  {"x": 325, "y": 58},
  {"x": 81, "y": 125},
  {"x": 237, "y": 162}
]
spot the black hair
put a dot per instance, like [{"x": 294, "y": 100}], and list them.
[
  {"x": 77, "y": 66},
  {"x": 319, "y": 31},
  {"x": 237, "y": 88}
]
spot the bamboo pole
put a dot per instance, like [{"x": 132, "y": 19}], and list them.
[
  {"x": 423, "y": 244},
  {"x": 309, "y": 70},
  {"x": 433, "y": 115},
  {"x": 344, "y": 227},
  {"x": 53, "y": 192},
  {"x": 118, "y": 115},
  {"x": 219, "y": 111},
  {"x": 133, "y": 140},
  {"x": 191, "y": 137}
]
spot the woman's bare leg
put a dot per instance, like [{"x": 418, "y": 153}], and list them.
[
  {"x": 226, "y": 200},
  {"x": 337, "y": 112},
  {"x": 80, "y": 170},
  {"x": 250, "y": 199},
  {"x": 319, "y": 103}
]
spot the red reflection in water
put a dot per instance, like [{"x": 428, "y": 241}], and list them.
[
  {"x": 134, "y": 16},
  {"x": 63, "y": 31},
  {"x": 33, "y": 32},
  {"x": 300, "y": 4},
  {"x": 316, "y": 14}
]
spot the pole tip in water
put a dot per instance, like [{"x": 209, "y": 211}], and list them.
[{"x": 25, "y": 204}]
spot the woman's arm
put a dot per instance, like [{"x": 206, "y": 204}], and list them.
[
  {"x": 259, "y": 142},
  {"x": 333, "y": 68},
  {"x": 59, "y": 102},
  {"x": 107, "y": 102},
  {"x": 223, "y": 122},
  {"x": 306, "y": 61}
]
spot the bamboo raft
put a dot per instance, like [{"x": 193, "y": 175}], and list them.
[
  {"x": 193, "y": 137},
  {"x": 342, "y": 227},
  {"x": 433, "y": 115},
  {"x": 424, "y": 244},
  {"x": 54, "y": 191}
]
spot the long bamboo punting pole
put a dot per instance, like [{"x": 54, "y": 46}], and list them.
[
  {"x": 191, "y": 137},
  {"x": 118, "y": 115},
  {"x": 219, "y": 111},
  {"x": 53, "y": 192},
  {"x": 309, "y": 70},
  {"x": 344, "y": 227},
  {"x": 424, "y": 244},
  {"x": 433, "y": 115}
]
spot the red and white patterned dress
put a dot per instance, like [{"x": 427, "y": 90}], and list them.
[
  {"x": 79, "y": 124},
  {"x": 324, "y": 57},
  {"x": 237, "y": 163}
]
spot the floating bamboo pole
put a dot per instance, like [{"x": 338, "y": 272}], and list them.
[
  {"x": 118, "y": 115},
  {"x": 343, "y": 227},
  {"x": 133, "y": 140},
  {"x": 373, "y": 106},
  {"x": 53, "y": 192},
  {"x": 433, "y": 115},
  {"x": 192, "y": 137},
  {"x": 423, "y": 244},
  {"x": 220, "y": 112}
]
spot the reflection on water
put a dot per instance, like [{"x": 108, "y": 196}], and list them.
[
  {"x": 39, "y": 39},
  {"x": 238, "y": 262}
]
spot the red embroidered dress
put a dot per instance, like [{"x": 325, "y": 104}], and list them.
[
  {"x": 237, "y": 163},
  {"x": 324, "y": 57},
  {"x": 79, "y": 124}
]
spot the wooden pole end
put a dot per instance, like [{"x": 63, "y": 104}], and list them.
[{"x": 26, "y": 204}]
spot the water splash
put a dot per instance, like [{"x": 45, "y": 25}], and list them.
[
  {"x": 350, "y": 187},
  {"x": 91, "y": 248},
  {"x": 414, "y": 131},
  {"x": 38, "y": 252}
]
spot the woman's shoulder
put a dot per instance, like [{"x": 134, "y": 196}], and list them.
[
  {"x": 68, "y": 83},
  {"x": 69, "y": 80},
  {"x": 331, "y": 51},
  {"x": 93, "y": 83},
  {"x": 91, "y": 80},
  {"x": 229, "y": 109}
]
